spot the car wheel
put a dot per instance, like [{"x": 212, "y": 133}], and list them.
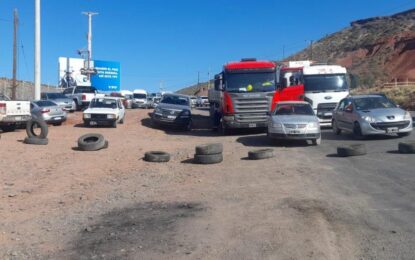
[
  {"x": 188, "y": 127},
  {"x": 122, "y": 120},
  {"x": 336, "y": 129},
  {"x": 357, "y": 131},
  {"x": 316, "y": 141}
]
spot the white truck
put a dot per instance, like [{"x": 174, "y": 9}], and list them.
[
  {"x": 13, "y": 113},
  {"x": 140, "y": 99},
  {"x": 82, "y": 95},
  {"x": 324, "y": 87}
]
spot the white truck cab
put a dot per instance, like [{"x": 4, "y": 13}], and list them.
[
  {"x": 324, "y": 87},
  {"x": 140, "y": 98}
]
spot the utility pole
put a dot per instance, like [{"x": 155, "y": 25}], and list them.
[
  {"x": 37, "y": 50},
  {"x": 14, "y": 83},
  {"x": 89, "y": 14},
  {"x": 208, "y": 85}
]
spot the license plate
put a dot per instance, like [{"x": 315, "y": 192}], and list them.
[
  {"x": 252, "y": 125},
  {"x": 294, "y": 131},
  {"x": 58, "y": 118},
  {"x": 18, "y": 118},
  {"x": 171, "y": 117},
  {"x": 93, "y": 123},
  {"x": 328, "y": 114},
  {"x": 392, "y": 130}
]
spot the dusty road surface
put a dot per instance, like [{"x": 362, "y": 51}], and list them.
[{"x": 60, "y": 203}]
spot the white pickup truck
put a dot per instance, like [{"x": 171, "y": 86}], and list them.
[
  {"x": 82, "y": 95},
  {"x": 13, "y": 113}
]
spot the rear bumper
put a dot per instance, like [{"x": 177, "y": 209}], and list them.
[{"x": 10, "y": 120}]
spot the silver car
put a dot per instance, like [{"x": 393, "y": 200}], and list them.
[
  {"x": 49, "y": 111},
  {"x": 365, "y": 115},
  {"x": 63, "y": 101},
  {"x": 294, "y": 120}
]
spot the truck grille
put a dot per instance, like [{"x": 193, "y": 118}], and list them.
[
  {"x": 324, "y": 108},
  {"x": 386, "y": 125},
  {"x": 251, "y": 109},
  {"x": 98, "y": 116}
]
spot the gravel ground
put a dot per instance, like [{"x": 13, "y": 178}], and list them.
[{"x": 60, "y": 203}]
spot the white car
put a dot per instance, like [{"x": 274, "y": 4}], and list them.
[{"x": 104, "y": 111}]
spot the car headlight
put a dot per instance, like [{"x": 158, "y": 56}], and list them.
[
  {"x": 312, "y": 125},
  {"x": 87, "y": 116},
  {"x": 276, "y": 125},
  {"x": 407, "y": 116},
  {"x": 110, "y": 116},
  {"x": 369, "y": 119}
]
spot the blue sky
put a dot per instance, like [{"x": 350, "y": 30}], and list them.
[{"x": 173, "y": 40}]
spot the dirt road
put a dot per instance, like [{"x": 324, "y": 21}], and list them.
[{"x": 60, "y": 203}]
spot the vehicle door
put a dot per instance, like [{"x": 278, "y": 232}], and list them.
[
  {"x": 348, "y": 115},
  {"x": 338, "y": 114}
]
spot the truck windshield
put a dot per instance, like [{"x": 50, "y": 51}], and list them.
[
  {"x": 250, "y": 82},
  {"x": 294, "y": 109},
  {"x": 140, "y": 96},
  {"x": 327, "y": 82},
  {"x": 369, "y": 103}
]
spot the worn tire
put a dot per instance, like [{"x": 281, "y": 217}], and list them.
[
  {"x": 156, "y": 156},
  {"x": 260, "y": 154},
  {"x": 206, "y": 149},
  {"x": 351, "y": 150},
  {"x": 36, "y": 141},
  {"x": 37, "y": 122},
  {"x": 406, "y": 147},
  {"x": 208, "y": 158},
  {"x": 91, "y": 142}
]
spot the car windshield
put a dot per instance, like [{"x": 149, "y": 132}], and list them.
[
  {"x": 250, "y": 82},
  {"x": 103, "y": 103},
  {"x": 45, "y": 103},
  {"x": 55, "y": 95},
  {"x": 368, "y": 103},
  {"x": 140, "y": 96},
  {"x": 294, "y": 109},
  {"x": 175, "y": 100},
  {"x": 322, "y": 83}
]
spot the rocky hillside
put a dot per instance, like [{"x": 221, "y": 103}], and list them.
[
  {"x": 196, "y": 90},
  {"x": 375, "y": 50}
]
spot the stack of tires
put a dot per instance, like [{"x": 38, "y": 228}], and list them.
[
  {"x": 33, "y": 135},
  {"x": 208, "y": 153}
]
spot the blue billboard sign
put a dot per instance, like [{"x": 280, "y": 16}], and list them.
[{"x": 107, "y": 77}]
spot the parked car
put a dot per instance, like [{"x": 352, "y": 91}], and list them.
[
  {"x": 365, "y": 115},
  {"x": 193, "y": 100},
  {"x": 125, "y": 99},
  {"x": 294, "y": 120},
  {"x": 140, "y": 98},
  {"x": 173, "y": 110},
  {"x": 82, "y": 95},
  {"x": 49, "y": 111},
  {"x": 104, "y": 111},
  {"x": 13, "y": 113},
  {"x": 202, "y": 101},
  {"x": 63, "y": 101}
]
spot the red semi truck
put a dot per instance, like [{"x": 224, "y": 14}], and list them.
[{"x": 243, "y": 94}]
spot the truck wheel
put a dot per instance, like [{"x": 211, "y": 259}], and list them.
[
  {"x": 260, "y": 154},
  {"x": 156, "y": 156},
  {"x": 406, "y": 147},
  {"x": 208, "y": 158},
  {"x": 33, "y": 125},
  {"x": 35, "y": 141},
  {"x": 8, "y": 128},
  {"x": 206, "y": 149},
  {"x": 351, "y": 150},
  {"x": 91, "y": 142}
]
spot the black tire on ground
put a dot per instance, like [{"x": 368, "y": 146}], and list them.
[
  {"x": 208, "y": 158},
  {"x": 260, "y": 154},
  {"x": 351, "y": 150},
  {"x": 406, "y": 147},
  {"x": 206, "y": 149},
  {"x": 91, "y": 142},
  {"x": 8, "y": 128},
  {"x": 34, "y": 123},
  {"x": 156, "y": 156},
  {"x": 36, "y": 141},
  {"x": 404, "y": 134}
]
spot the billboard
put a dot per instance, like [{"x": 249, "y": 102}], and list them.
[{"x": 107, "y": 77}]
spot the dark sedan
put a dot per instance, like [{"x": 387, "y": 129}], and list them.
[{"x": 173, "y": 110}]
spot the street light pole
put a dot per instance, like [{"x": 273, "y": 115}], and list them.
[
  {"x": 37, "y": 50},
  {"x": 89, "y": 14}
]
